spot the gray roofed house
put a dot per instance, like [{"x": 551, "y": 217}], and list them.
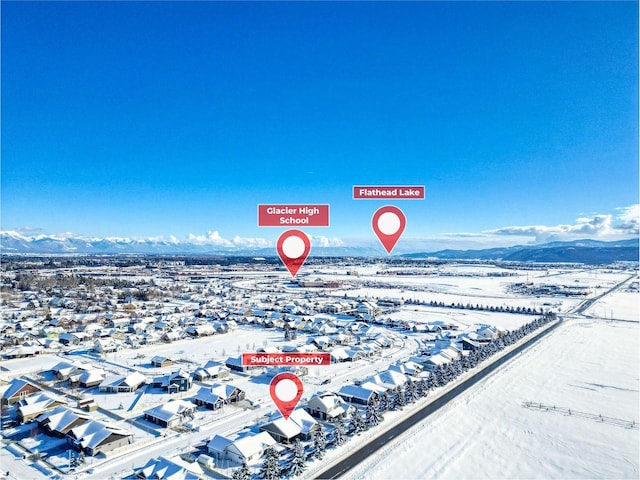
[
  {"x": 171, "y": 414},
  {"x": 206, "y": 398},
  {"x": 35, "y": 405},
  {"x": 327, "y": 407},
  {"x": 299, "y": 425},
  {"x": 118, "y": 383},
  {"x": 164, "y": 469},
  {"x": 228, "y": 393},
  {"x": 211, "y": 370},
  {"x": 59, "y": 421},
  {"x": 358, "y": 394},
  {"x": 93, "y": 437},
  {"x": 17, "y": 390},
  {"x": 178, "y": 381},
  {"x": 248, "y": 448}
]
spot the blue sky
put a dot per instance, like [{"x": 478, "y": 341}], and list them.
[{"x": 173, "y": 118}]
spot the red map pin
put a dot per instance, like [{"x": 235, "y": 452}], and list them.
[
  {"x": 388, "y": 224},
  {"x": 293, "y": 247},
  {"x": 286, "y": 390}
]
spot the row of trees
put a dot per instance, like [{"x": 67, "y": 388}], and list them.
[
  {"x": 470, "y": 306},
  {"x": 292, "y": 461}
]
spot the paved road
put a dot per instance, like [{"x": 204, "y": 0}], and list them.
[
  {"x": 365, "y": 451},
  {"x": 587, "y": 303}
]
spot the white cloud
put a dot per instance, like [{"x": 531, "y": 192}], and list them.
[
  {"x": 322, "y": 241},
  {"x": 629, "y": 218},
  {"x": 29, "y": 230},
  {"x": 597, "y": 227},
  {"x": 251, "y": 242},
  {"x": 211, "y": 238}
]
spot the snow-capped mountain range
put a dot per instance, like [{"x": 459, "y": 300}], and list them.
[
  {"x": 17, "y": 243},
  {"x": 580, "y": 251}
]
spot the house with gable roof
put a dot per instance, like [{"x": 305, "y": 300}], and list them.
[
  {"x": 359, "y": 394},
  {"x": 299, "y": 425},
  {"x": 178, "y": 381},
  {"x": 118, "y": 383},
  {"x": 211, "y": 369},
  {"x": 59, "y": 421},
  {"x": 164, "y": 469},
  {"x": 93, "y": 437},
  {"x": 327, "y": 407},
  {"x": 247, "y": 448},
  {"x": 171, "y": 414},
  {"x": 33, "y": 406},
  {"x": 17, "y": 390}
]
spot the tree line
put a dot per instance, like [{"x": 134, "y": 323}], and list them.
[{"x": 291, "y": 462}]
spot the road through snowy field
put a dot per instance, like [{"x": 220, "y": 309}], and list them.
[{"x": 588, "y": 366}]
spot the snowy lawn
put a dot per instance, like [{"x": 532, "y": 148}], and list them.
[{"x": 588, "y": 366}]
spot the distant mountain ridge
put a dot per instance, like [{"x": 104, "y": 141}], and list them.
[
  {"x": 16, "y": 243},
  {"x": 578, "y": 251}
]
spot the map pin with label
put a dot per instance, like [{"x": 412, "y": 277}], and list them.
[
  {"x": 293, "y": 248},
  {"x": 286, "y": 390},
  {"x": 388, "y": 224}
]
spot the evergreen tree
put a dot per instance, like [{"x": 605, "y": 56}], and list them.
[
  {"x": 340, "y": 431},
  {"x": 410, "y": 392},
  {"x": 319, "y": 441},
  {"x": 372, "y": 417},
  {"x": 271, "y": 466},
  {"x": 401, "y": 398},
  {"x": 357, "y": 424},
  {"x": 242, "y": 473},
  {"x": 298, "y": 463},
  {"x": 384, "y": 403},
  {"x": 422, "y": 389}
]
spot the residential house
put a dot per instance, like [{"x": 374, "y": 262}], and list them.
[
  {"x": 93, "y": 437},
  {"x": 59, "y": 421},
  {"x": 408, "y": 368},
  {"x": 211, "y": 370},
  {"x": 248, "y": 448},
  {"x": 359, "y": 394},
  {"x": 30, "y": 408},
  {"x": 206, "y": 398},
  {"x": 327, "y": 407},
  {"x": 178, "y": 381},
  {"x": 299, "y": 425},
  {"x": 171, "y": 414},
  {"x": 228, "y": 393},
  {"x": 388, "y": 379},
  {"x": 159, "y": 361},
  {"x": 161, "y": 468},
  {"x": 88, "y": 378},
  {"x": 117, "y": 383},
  {"x": 18, "y": 389}
]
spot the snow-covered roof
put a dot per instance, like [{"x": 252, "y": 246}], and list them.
[
  {"x": 92, "y": 433},
  {"x": 206, "y": 395},
  {"x": 60, "y": 418},
  {"x": 165, "y": 469},
  {"x": 357, "y": 391},
  {"x": 168, "y": 410},
  {"x": 218, "y": 443},
  {"x": 224, "y": 391},
  {"x": 15, "y": 386},
  {"x": 250, "y": 445}
]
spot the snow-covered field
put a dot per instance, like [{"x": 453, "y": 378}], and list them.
[
  {"x": 620, "y": 305},
  {"x": 587, "y": 365},
  {"x": 470, "y": 284}
]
